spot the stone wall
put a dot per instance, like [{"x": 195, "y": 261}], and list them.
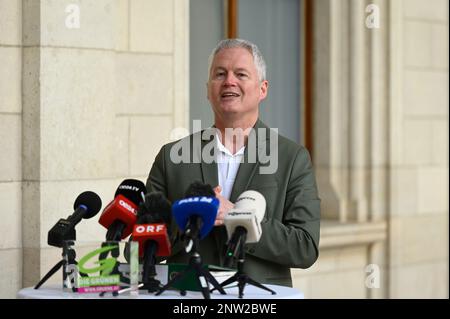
[
  {"x": 84, "y": 104},
  {"x": 419, "y": 134}
]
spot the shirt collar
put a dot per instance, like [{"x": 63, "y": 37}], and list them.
[{"x": 223, "y": 149}]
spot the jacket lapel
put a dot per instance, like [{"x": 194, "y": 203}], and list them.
[
  {"x": 208, "y": 167},
  {"x": 256, "y": 143}
]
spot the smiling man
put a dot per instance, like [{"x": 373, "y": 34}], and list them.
[
  {"x": 291, "y": 225},
  {"x": 235, "y": 88}
]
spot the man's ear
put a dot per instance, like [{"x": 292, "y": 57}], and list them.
[{"x": 263, "y": 90}]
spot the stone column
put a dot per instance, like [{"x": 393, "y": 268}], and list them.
[{"x": 350, "y": 110}]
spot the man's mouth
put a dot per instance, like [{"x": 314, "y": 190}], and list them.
[{"x": 229, "y": 95}]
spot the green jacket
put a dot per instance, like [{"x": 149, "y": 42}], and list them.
[{"x": 291, "y": 225}]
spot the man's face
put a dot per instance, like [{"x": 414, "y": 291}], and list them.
[{"x": 233, "y": 86}]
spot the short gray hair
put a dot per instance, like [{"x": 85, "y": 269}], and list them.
[{"x": 258, "y": 59}]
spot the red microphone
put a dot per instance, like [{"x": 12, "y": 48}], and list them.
[
  {"x": 156, "y": 233},
  {"x": 119, "y": 211},
  {"x": 120, "y": 215},
  {"x": 153, "y": 235}
]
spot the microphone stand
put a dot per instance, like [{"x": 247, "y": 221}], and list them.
[
  {"x": 240, "y": 276},
  {"x": 149, "y": 271},
  {"x": 69, "y": 256},
  {"x": 115, "y": 252},
  {"x": 202, "y": 275}
]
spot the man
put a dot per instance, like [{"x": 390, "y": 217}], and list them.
[{"x": 290, "y": 228}]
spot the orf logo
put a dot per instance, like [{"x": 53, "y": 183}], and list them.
[{"x": 149, "y": 228}]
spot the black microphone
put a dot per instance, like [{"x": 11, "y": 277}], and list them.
[
  {"x": 86, "y": 206},
  {"x": 198, "y": 188},
  {"x": 156, "y": 208}
]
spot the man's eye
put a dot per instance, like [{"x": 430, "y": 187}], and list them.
[
  {"x": 219, "y": 74},
  {"x": 241, "y": 75}
]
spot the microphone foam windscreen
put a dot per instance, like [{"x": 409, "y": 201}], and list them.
[
  {"x": 197, "y": 189},
  {"x": 132, "y": 189},
  {"x": 155, "y": 209},
  {"x": 91, "y": 200}
]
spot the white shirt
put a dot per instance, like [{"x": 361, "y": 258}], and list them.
[{"x": 227, "y": 167}]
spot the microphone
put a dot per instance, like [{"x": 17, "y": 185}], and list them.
[
  {"x": 86, "y": 206},
  {"x": 153, "y": 216},
  {"x": 152, "y": 235},
  {"x": 243, "y": 222},
  {"x": 196, "y": 213},
  {"x": 119, "y": 216}
]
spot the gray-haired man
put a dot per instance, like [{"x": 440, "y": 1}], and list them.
[{"x": 291, "y": 226}]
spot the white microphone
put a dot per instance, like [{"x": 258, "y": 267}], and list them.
[{"x": 244, "y": 221}]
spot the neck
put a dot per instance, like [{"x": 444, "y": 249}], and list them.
[{"x": 234, "y": 134}]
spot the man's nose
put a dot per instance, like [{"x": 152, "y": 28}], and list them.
[{"x": 230, "y": 79}]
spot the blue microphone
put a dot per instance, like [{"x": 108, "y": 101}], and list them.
[
  {"x": 196, "y": 213},
  {"x": 202, "y": 208}
]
